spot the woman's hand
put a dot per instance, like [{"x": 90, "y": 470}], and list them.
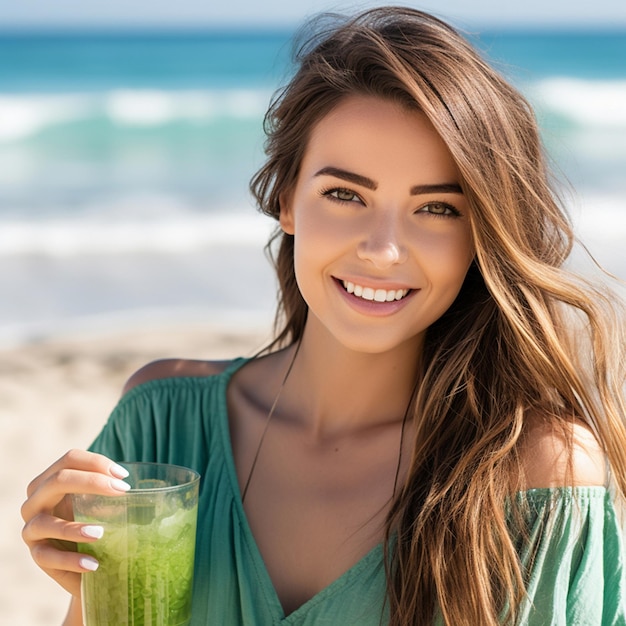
[{"x": 49, "y": 530}]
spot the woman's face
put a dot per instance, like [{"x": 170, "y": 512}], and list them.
[{"x": 380, "y": 224}]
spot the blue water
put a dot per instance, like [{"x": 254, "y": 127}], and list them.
[
  {"x": 106, "y": 60},
  {"x": 123, "y": 154},
  {"x": 100, "y": 61},
  {"x": 594, "y": 55}
]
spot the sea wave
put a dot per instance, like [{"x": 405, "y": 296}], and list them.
[
  {"x": 100, "y": 235},
  {"x": 584, "y": 103},
  {"x": 23, "y": 116}
]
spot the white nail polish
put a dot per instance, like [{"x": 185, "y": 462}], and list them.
[
  {"x": 93, "y": 532},
  {"x": 119, "y": 485},
  {"x": 89, "y": 564},
  {"x": 118, "y": 471}
]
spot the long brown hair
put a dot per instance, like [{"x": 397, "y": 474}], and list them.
[{"x": 503, "y": 349}]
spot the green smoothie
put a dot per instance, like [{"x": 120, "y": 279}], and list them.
[{"x": 146, "y": 570}]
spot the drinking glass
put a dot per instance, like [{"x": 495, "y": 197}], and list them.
[{"x": 147, "y": 552}]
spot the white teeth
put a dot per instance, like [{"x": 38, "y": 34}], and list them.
[
  {"x": 380, "y": 295},
  {"x": 377, "y": 295}
]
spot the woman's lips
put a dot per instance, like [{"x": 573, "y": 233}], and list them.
[{"x": 374, "y": 301}]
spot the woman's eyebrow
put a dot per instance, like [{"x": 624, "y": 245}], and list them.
[
  {"x": 422, "y": 190},
  {"x": 351, "y": 177},
  {"x": 368, "y": 183}
]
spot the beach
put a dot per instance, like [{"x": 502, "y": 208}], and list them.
[{"x": 55, "y": 394}]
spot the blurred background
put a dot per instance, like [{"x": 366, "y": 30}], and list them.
[
  {"x": 129, "y": 131},
  {"x": 128, "y": 134}
]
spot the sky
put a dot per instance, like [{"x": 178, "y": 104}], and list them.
[{"x": 217, "y": 13}]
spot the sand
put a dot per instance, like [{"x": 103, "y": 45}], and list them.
[{"x": 56, "y": 394}]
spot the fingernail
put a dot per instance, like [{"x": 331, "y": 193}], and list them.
[
  {"x": 119, "y": 485},
  {"x": 93, "y": 532},
  {"x": 89, "y": 564},
  {"x": 118, "y": 471}
]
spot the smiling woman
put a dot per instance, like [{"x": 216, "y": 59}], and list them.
[{"x": 425, "y": 441}]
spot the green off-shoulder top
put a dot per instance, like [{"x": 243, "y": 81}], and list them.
[{"x": 574, "y": 555}]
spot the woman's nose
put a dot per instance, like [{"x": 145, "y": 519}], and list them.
[{"x": 382, "y": 244}]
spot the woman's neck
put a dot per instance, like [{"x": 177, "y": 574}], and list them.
[{"x": 333, "y": 391}]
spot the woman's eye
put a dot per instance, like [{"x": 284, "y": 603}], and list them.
[
  {"x": 439, "y": 208},
  {"x": 344, "y": 195}
]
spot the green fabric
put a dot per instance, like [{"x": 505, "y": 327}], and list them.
[{"x": 574, "y": 559}]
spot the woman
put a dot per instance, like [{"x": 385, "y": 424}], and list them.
[{"x": 424, "y": 442}]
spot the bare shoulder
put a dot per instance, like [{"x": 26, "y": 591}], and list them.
[
  {"x": 557, "y": 455},
  {"x": 174, "y": 368}
]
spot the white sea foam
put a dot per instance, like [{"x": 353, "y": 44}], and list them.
[
  {"x": 22, "y": 116},
  {"x": 155, "y": 108},
  {"x": 112, "y": 235},
  {"x": 590, "y": 103}
]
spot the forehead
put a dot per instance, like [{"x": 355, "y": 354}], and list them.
[{"x": 370, "y": 133}]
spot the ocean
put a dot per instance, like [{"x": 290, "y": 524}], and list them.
[{"x": 125, "y": 159}]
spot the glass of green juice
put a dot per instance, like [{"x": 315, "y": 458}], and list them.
[{"x": 147, "y": 552}]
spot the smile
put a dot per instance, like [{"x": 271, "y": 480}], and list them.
[{"x": 376, "y": 295}]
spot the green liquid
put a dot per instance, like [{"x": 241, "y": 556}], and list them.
[{"x": 146, "y": 571}]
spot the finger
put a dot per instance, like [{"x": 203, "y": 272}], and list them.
[
  {"x": 44, "y": 527},
  {"x": 82, "y": 460},
  {"x": 63, "y": 566},
  {"x": 52, "y": 543},
  {"x": 48, "y": 557},
  {"x": 55, "y": 487}
]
